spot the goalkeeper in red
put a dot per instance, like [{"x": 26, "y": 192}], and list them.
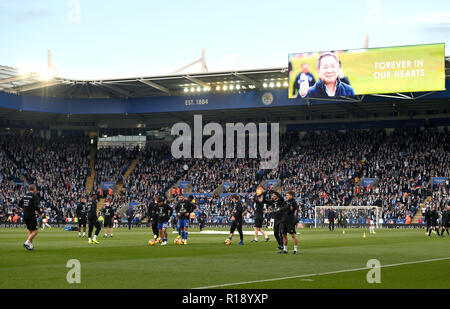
[{"x": 183, "y": 210}]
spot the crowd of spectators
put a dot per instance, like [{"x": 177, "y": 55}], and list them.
[
  {"x": 326, "y": 168},
  {"x": 323, "y": 168},
  {"x": 241, "y": 174},
  {"x": 155, "y": 173},
  {"x": 404, "y": 165},
  {"x": 111, "y": 164},
  {"x": 59, "y": 167}
]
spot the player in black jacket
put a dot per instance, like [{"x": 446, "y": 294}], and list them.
[
  {"x": 183, "y": 210},
  {"x": 445, "y": 221},
  {"x": 428, "y": 219},
  {"x": 130, "y": 216},
  {"x": 81, "y": 215},
  {"x": 434, "y": 221},
  {"x": 164, "y": 214},
  {"x": 93, "y": 219},
  {"x": 288, "y": 221},
  {"x": 237, "y": 213},
  {"x": 30, "y": 204},
  {"x": 108, "y": 214},
  {"x": 260, "y": 205},
  {"x": 152, "y": 214},
  {"x": 331, "y": 217},
  {"x": 341, "y": 219},
  {"x": 372, "y": 220},
  {"x": 276, "y": 205},
  {"x": 201, "y": 221}
]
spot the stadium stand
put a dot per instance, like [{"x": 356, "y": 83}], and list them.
[
  {"x": 324, "y": 168},
  {"x": 329, "y": 150},
  {"x": 111, "y": 164},
  {"x": 59, "y": 167}
]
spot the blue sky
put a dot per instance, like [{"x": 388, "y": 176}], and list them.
[{"x": 111, "y": 38}]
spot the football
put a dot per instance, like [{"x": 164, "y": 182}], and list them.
[
  {"x": 159, "y": 240},
  {"x": 151, "y": 242},
  {"x": 227, "y": 242}
]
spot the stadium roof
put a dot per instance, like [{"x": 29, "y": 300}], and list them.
[
  {"x": 137, "y": 87},
  {"x": 13, "y": 81}
]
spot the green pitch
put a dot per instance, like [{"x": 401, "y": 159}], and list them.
[{"x": 408, "y": 258}]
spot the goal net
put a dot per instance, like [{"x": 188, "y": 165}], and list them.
[{"x": 347, "y": 216}]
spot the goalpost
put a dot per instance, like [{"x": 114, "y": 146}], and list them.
[{"x": 354, "y": 215}]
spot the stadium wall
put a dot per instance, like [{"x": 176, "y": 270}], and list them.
[{"x": 359, "y": 125}]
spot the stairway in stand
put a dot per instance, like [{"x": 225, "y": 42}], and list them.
[
  {"x": 418, "y": 214},
  {"x": 100, "y": 205},
  {"x": 25, "y": 181},
  {"x": 177, "y": 183},
  {"x": 119, "y": 185},
  {"x": 91, "y": 178}
]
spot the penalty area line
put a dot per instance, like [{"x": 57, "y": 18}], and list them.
[{"x": 319, "y": 274}]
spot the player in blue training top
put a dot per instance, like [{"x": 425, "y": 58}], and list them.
[
  {"x": 183, "y": 210},
  {"x": 164, "y": 212}
]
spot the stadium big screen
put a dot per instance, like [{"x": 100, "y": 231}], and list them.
[{"x": 340, "y": 73}]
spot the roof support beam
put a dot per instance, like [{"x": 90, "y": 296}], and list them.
[
  {"x": 421, "y": 96},
  {"x": 13, "y": 79},
  {"x": 394, "y": 96},
  {"x": 9, "y": 69},
  {"x": 38, "y": 85},
  {"x": 115, "y": 89},
  {"x": 73, "y": 88},
  {"x": 187, "y": 66},
  {"x": 197, "y": 81},
  {"x": 106, "y": 91},
  {"x": 248, "y": 79},
  {"x": 88, "y": 90},
  {"x": 155, "y": 85}
]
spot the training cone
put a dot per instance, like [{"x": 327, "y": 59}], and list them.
[
  {"x": 364, "y": 235},
  {"x": 343, "y": 232}
]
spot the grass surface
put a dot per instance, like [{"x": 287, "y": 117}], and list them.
[{"x": 126, "y": 261}]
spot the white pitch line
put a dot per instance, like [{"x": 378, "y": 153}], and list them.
[{"x": 320, "y": 274}]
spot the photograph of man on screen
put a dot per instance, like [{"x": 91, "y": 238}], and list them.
[{"x": 328, "y": 84}]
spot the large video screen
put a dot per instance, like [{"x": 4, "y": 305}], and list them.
[{"x": 383, "y": 70}]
